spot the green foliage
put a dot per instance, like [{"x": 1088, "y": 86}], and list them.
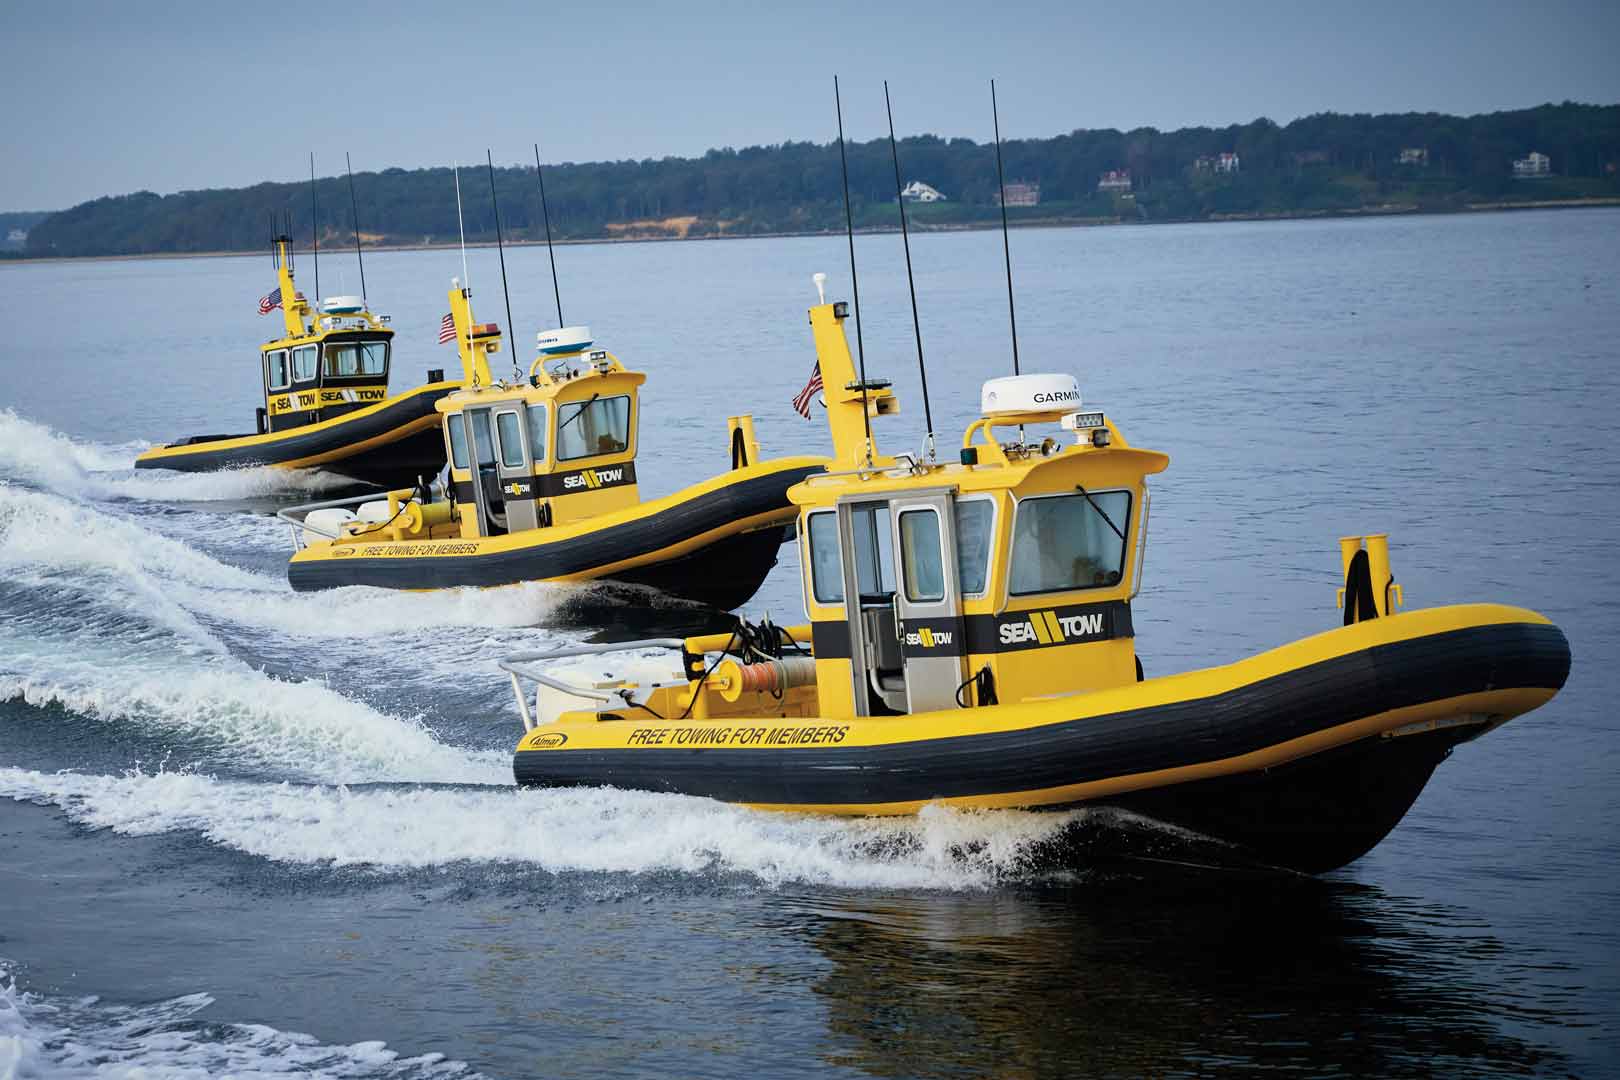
[{"x": 1328, "y": 163}]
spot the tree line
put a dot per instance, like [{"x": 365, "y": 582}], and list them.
[{"x": 1324, "y": 163}]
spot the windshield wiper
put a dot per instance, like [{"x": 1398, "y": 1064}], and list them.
[
  {"x": 579, "y": 414},
  {"x": 1081, "y": 489}
]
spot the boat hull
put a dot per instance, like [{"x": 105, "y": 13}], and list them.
[
  {"x": 712, "y": 543},
  {"x": 390, "y": 444},
  {"x": 1303, "y": 757}
]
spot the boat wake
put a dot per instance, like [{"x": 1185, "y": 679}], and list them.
[
  {"x": 71, "y": 1038},
  {"x": 38, "y": 455},
  {"x": 593, "y": 830}
]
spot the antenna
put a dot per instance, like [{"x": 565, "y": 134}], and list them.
[
  {"x": 849, "y": 229},
  {"x": 275, "y": 260},
  {"x": 900, "y": 197},
  {"x": 354, "y": 206},
  {"x": 490, "y": 158},
  {"x": 1006, "y": 251},
  {"x": 466, "y": 279},
  {"x": 547, "y": 215},
  {"x": 314, "y": 232}
]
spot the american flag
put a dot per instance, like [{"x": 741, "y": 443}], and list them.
[
  {"x": 269, "y": 303},
  {"x": 801, "y": 404},
  {"x": 447, "y": 329}
]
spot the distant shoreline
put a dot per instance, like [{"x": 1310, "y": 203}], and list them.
[{"x": 1375, "y": 211}]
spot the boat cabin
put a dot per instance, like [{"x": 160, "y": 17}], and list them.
[
  {"x": 331, "y": 360},
  {"x": 558, "y": 446},
  {"x": 1006, "y": 575}
]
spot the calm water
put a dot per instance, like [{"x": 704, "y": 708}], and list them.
[{"x": 247, "y": 830}]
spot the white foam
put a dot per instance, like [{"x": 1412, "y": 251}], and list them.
[
  {"x": 55, "y": 1038},
  {"x": 590, "y": 829},
  {"x": 41, "y": 456}
]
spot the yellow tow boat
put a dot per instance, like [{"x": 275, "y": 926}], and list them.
[
  {"x": 970, "y": 643},
  {"x": 542, "y": 487},
  {"x": 326, "y": 402}
]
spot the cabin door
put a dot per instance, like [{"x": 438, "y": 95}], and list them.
[
  {"x": 516, "y": 470},
  {"x": 928, "y": 599},
  {"x": 486, "y": 473}
]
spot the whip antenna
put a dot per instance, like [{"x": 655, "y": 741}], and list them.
[
  {"x": 314, "y": 232},
  {"x": 546, "y": 214},
  {"x": 466, "y": 281},
  {"x": 354, "y": 206},
  {"x": 1006, "y": 251},
  {"x": 499, "y": 247},
  {"x": 849, "y": 229},
  {"x": 900, "y": 197}
]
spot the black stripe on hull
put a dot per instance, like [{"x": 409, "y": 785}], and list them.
[
  {"x": 1094, "y": 748},
  {"x": 395, "y": 463},
  {"x": 545, "y": 560}
]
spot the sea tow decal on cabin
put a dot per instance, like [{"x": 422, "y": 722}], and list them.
[
  {"x": 738, "y": 736},
  {"x": 931, "y": 637},
  {"x": 1071, "y": 625},
  {"x": 311, "y": 399},
  {"x": 602, "y": 476},
  {"x": 518, "y": 489},
  {"x": 981, "y": 634},
  {"x": 353, "y": 395}
]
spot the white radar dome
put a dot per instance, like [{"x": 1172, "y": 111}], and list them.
[
  {"x": 1015, "y": 394},
  {"x": 342, "y": 305},
  {"x": 567, "y": 339}
]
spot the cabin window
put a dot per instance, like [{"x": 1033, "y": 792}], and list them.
[
  {"x": 974, "y": 521},
  {"x": 537, "y": 432},
  {"x": 594, "y": 427},
  {"x": 874, "y": 550},
  {"x": 458, "y": 440},
  {"x": 483, "y": 445},
  {"x": 276, "y": 370},
  {"x": 303, "y": 363},
  {"x": 510, "y": 430},
  {"x": 924, "y": 557},
  {"x": 349, "y": 359},
  {"x": 826, "y": 567},
  {"x": 1064, "y": 542}
]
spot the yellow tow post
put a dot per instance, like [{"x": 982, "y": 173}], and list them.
[
  {"x": 474, "y": 368},
  {"x": 740, "y": 436},
  {"x": 1387, "y": 596},
  {"x": 845, "y": 419}
]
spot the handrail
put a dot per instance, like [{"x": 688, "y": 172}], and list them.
[
  {"x": 285, "y": 514},
  {"x": 513, "y": 665}
]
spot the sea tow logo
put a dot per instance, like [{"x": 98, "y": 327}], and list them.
[
  {"x": 1056, "y": 397},
  {"x": 516, "y": 489},
  {"x": 547, "y": 740},
  {"x": 591, "y": 479},
  {"x": 928, "y": 639},
  {"x": 351, "y": 396},
  {"x": 1050, "y": 628}
]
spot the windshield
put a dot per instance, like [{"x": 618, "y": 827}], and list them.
[
  {"x": 1065, "y": 542},
  {"x": 354, "y": 358},
  {"x": 590, "y": 428}
]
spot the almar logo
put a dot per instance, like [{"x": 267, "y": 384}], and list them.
[
  {"x": 591, "y": 479},
  {"x": 1050, "y": 628}
]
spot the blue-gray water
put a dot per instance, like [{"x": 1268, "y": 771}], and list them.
[{"x": 284, "y": 836}]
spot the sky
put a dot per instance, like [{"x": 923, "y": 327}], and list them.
[{"x": 108, "y": 98}]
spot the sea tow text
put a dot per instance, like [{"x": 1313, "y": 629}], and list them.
[{"x": 738, "y": 736}]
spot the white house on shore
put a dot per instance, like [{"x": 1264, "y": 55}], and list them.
[
  {"x": 919, "y": 192},
  {"x": 1535, "y": 164},
  {"x": 1021, "y": 193},
  {"x": 1224, "y": 162},
  {"x": 1115, "y": 180}
]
